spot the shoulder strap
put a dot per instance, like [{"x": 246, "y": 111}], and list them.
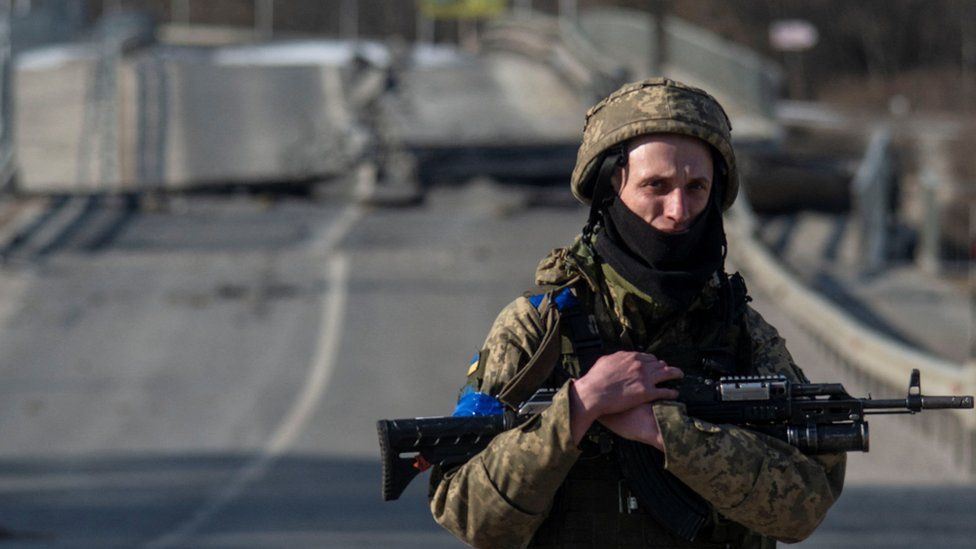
[
  {"x": 543, "y": 361},
  {"x": 740, "y": 295},
  {"x": 737, "y": 310},
  {"x": 571, "y": 329},
  {"x": 582, "y": 342}
]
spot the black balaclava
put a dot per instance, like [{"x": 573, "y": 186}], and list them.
[{"x": 671, "y": 268}]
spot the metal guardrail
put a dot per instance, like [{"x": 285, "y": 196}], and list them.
[
  {"x": 561, "y": 44},
  {"x": 874, "y": 357},
  {"x": 740, "y": 73},
  {"x": 626, "y": 35}
]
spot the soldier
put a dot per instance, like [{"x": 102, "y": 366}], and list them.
[{"x": 643, "y": 299}]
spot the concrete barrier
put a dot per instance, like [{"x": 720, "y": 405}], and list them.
[{"x": 175, "y": 117}]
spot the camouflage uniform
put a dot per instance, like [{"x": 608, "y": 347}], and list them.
[{"x": 513, "y": 493}]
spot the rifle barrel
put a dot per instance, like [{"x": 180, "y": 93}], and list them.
[
  {"x": 927, "y": 403},
  {"x": 943, "y": 402}
]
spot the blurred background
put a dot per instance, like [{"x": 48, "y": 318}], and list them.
[{"x": 235, "y": 233}]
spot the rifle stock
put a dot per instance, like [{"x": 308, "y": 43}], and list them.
[{"x": 409, "y": 447}]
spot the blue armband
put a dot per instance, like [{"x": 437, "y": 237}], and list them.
[{"x": 473, "y": 403}]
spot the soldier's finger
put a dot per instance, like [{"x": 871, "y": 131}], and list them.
[
  {"x": 652, "y": 363},
  {"x": 647, "y": 358},
  {"x": 666, "y": 373},
  {"x": 662, "y": 394}
]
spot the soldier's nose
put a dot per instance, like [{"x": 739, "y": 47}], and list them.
[{"x": 676, "y": 207}]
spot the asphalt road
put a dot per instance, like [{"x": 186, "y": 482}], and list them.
[{"x": 209, "y": 373}]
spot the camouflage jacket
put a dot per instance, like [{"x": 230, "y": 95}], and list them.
[{"x": 501, "y": 496}]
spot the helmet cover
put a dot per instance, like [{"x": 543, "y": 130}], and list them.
[{"x": 655, "y": 105}]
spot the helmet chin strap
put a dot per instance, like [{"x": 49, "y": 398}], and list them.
[{"x": 603, "y": 187}]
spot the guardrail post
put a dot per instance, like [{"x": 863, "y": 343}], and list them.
[
  {"x": 929, "y": 256},
  {"x": 98, "y": 154},
  {"x": 872, "y": 199}
]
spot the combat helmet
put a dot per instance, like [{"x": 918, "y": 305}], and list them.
[{"x": 655, "y": 105}]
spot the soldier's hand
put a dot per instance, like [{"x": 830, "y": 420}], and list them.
[
  {"x": 638, "y": 424},
  {"x": 623, "y": 380},
  {"x": 617, "y": 383}
]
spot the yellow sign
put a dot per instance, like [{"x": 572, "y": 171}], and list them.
[{"x": 461, "y": 9}]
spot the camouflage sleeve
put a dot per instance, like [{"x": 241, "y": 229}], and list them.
[
  {"x": 760, "y": 482},
  {"x": 501, "y": 496}
]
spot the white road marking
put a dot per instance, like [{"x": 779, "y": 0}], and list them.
[
  {"x": 317, "y": 379},
  {"x": 326, "y": 243},
  {"x": 323, "y": 365}
]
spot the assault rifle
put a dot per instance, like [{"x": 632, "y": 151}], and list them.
[{"x": 817, "y": 418}]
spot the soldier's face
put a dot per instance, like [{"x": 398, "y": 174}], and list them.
[{"x": 667, "y": 180}]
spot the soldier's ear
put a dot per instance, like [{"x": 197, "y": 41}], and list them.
[
  {"x": 615, "y": 161},
  {"x": 617, "y": 179},
  {"x": 604, "y": 189}
]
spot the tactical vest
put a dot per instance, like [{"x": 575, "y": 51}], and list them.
[{"x": 595, "y": 506}]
